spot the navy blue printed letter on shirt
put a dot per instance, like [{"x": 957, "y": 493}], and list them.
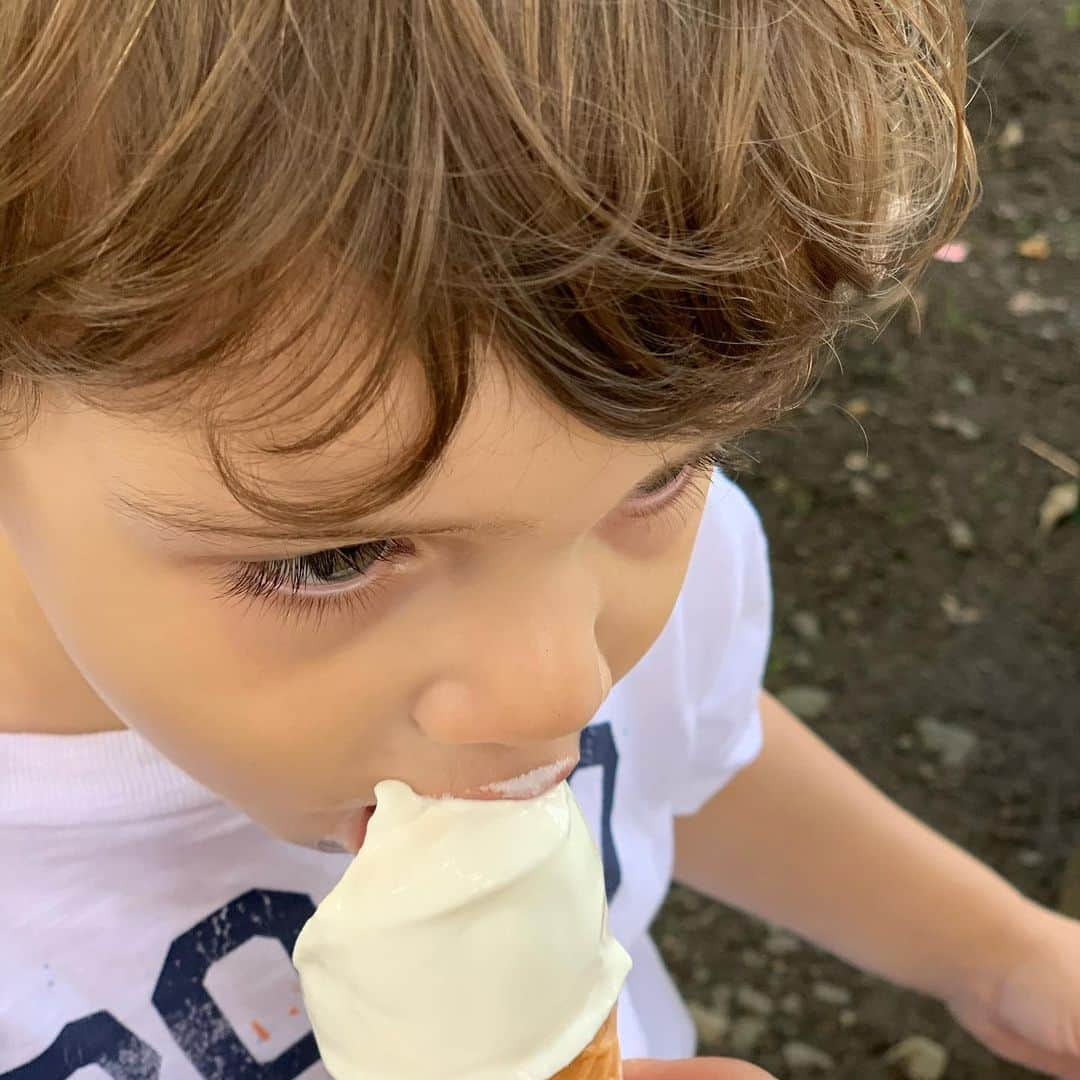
[
  {"x": 598, "y": 751},
  {"x": 195, "y": 1020},
  {"x": 99, "y": 1039}
]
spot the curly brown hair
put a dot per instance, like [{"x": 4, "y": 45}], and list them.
[{"x": 656, "y": 210}]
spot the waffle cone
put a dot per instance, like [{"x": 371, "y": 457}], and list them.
[{"x": 600, "y": 1060}]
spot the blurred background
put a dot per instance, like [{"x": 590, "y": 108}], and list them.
[{"x": 925, "y": 546}]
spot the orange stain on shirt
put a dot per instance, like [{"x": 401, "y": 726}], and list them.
[{"x": 260, "y": 1031}]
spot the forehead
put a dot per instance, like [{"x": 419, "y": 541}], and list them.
[{"x": 515, "y": 459}]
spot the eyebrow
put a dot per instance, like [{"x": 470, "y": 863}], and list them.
[{"x": 171, "y": 515}]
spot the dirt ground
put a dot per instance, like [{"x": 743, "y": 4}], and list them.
[{"x": 912, "y": 580}]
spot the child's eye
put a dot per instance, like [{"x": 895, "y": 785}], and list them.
[
  {"x": 318, "y": 582},
  {"x": 352, "y": 575},
  {"x": 666, "y": 493}
]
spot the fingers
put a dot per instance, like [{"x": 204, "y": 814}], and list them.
[
  {"x": 1012, "y": 1047},
  {"x": 693, "y": 1069}
]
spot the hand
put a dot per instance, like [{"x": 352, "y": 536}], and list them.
[
  {"x": 692, "y": 1069},
  {"x": 1025, "y": 1002}
]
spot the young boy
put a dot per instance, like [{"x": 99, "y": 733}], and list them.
[{"x": 363, "y": 371}]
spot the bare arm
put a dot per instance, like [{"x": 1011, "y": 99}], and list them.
[{"x": 801, "y": 839}]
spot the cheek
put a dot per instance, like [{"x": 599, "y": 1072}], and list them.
[
  {"x": 274, "y": 731},
  {"x": 643, "y": 595}
]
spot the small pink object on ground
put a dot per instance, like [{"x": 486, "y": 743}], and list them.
[{"x": 956, "y": 252}]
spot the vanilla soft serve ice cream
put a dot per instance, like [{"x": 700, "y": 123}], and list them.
[{"x": 466, "y": 941}]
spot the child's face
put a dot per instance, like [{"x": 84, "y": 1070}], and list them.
[{"x": 475, "y": 656}]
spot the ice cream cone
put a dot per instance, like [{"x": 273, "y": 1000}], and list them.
[
  {"x": 600, "y": 1060},
  {"x": 454, "y": 912}
]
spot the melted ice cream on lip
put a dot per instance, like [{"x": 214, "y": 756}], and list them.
[
  {"x": 528, "y": 785},
  {"x": 467, "y": 940}
]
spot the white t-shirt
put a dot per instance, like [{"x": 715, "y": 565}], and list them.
[{"x": 146, "y": 926}]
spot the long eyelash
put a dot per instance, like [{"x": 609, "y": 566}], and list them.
[
  {"x": 685, "y": 499},
  {"x": 262, "y": 579},
  {"x": 311, "y": 611},
  {"x": 280, "y": 582}
]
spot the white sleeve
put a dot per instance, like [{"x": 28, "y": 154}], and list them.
[{"x": 726, "y": 638}]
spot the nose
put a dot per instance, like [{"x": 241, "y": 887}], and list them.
[{"x": 524, "y": 668}]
